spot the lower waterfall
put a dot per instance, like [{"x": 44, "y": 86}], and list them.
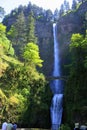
[{"x": 56, "y": 105}]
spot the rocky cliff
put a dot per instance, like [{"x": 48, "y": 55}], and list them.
[
  {"x": 44, "y": 32},
  {"x": 73, "y": 22}
]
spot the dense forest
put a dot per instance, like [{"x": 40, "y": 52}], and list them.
[{"x": 26, "y": 60}]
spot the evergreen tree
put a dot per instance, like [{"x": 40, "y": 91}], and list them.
[
  {"x": 56, "y": 14},
  {"x": 49, "y": 15},
  {"x": 74, "y": 3},
  {"x": 2, "y": 12},
  {"x": 20, "y": 26},
  {"x": 31, "y": 29},
  {"x": 61, "y": 11},
  {"x": 66, "y": 6},
  {"x": 80, "y": 1},
  {"x": 17, "y": 34}
]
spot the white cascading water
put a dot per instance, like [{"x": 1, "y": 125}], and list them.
[{"x": 56, "y": 106}]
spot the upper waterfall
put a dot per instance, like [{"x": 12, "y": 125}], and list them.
[{"x": 56, "y": 69}]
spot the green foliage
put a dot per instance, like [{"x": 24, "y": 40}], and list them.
[
  {"x": 26, "y": 90},
  {"x": 2, "y": 96},
  {"x": 17, "y": 34},
  {"x": 3, "y": 105},
  {"x": 64, "y": 127},
  {"x": 85, "y": 46},
  {"x": 31, "y": 29},
  {"x": 76, "y": 40},
  {"x": 79, "y": 47},
  {"x": 11, "y": 60},
  {"x": 4, "y": 41},
  {"x": 3, "y": 66},
  {"x": 75, "y": 91},
  {"x": 14, "y": 103},
  {"x": 85, "y": 62},
  {"x": 40, "y": 97},
  {"x": 15, "y": 97},
  {"x": 22, "y": 32},
  {"x": 5, "y": 61},
  {"x": 12, "y": 33},
  {"x": 1, "y": 50},
  {"x": 2, "y": 28},
  {"x": 5, "y": 48},
  {"x": 31, "y": 54}
]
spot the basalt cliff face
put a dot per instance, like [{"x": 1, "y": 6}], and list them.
[
  {"x": 73, "y": 22},
  {"x": 45, "y": 41}
]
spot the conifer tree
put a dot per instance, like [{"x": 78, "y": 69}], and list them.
[
  {"x": 2, "y": 12},
  {"x": 56, "y": 14},
  {"x": 66, "y": 5},
  {"x": 80, "y": 1},
  {"x": 17, "y": 32},
  {"x": 21, "y": 29},
  {"x": 74, "y": 3},
  {"x": 61, "y": 11},
  {"x": 31, "y": 29}
]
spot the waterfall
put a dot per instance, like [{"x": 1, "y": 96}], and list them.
[{"x": 56, "y": 105}]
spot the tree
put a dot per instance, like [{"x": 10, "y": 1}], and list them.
[
  {"x": 56, "y": 14},
  {"x": 5, "y": 42},
  {"x": 16, "y": 98},
  {"x": 85, "y": 46},
  {"x": 26, "y": 91},
  {"x": 3, "y": 105},
  {"x": 80, "y": 1},
  {"x": 76, "y": 88},
  {"x": 74, "y": 4},
  {"x": 78, "y": 46},
  {"x": 66, "y": 6},
  {"x": 31, "y": 55},
  {"x": 17, "y": 34},
  {"x": 2, "y": 12},
  {"x": 61, "y": 11},
  {"x": 31, "y": 37},
  {"x": 48, "y": 15}
]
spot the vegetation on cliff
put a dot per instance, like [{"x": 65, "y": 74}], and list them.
[
  {"x": 22, "y": 87},
  {"x": 75, "y": 91},
  {"x": 26, "y": 45}
]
